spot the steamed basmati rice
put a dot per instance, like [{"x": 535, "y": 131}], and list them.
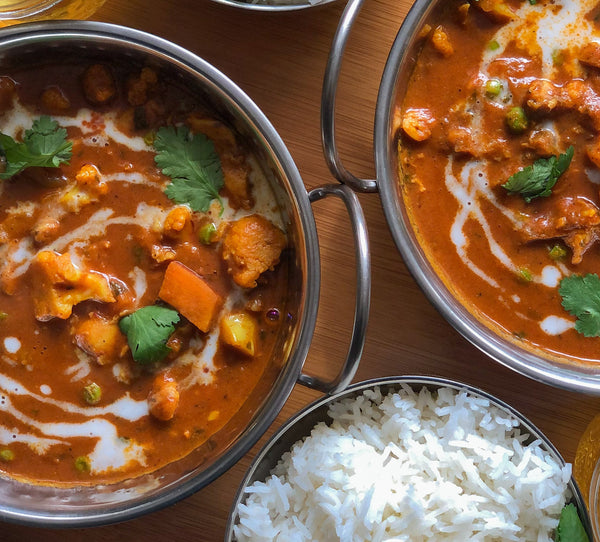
[{"x": 412, "y": 467}]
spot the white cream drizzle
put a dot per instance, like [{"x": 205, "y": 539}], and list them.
[{"x": 540, "y": 30}]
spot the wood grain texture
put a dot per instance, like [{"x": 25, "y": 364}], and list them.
[{"x": 279, "y": 59}]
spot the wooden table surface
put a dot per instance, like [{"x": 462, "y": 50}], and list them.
[{"x": 279, "y": 59}]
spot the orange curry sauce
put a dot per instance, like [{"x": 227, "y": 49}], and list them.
[
  {"x": 483, "y": 62},
  {"x": 89, "y": 242}
]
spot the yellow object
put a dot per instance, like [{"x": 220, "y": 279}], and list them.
[
  {"x": 20, "y": 11},
  {"x": 239, "y": 331},
  {"x": 586, "y": 457}
]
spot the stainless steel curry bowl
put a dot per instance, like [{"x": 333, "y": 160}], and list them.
[
  {"x": 87, "y": 505},
  {"x": 301, "y": 424},
  {"x": 502, "y": 347}
]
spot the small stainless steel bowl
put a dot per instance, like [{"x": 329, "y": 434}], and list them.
[
  {"x": 88, "y": 505},
  {"x": 301, "y": 425},
  {"x": 500, "y": 346}
]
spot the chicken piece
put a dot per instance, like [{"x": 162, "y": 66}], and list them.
[
  {"x": 54, "y": 100},
  {"x": 498, "y": 10},
  {"x": 100, "y": 339},
  {"x": 58, "y": 286},
  {"x": 574, "y": 220},
  {"x": 236, "y": 180},
  {"x": 578, "y": 96},
  {"x": 98, "y": 84},
  {"x": 139, "y": 87},
  {"x": 543, "y": 96},
  {"x": 222, "y": 137},
  {"x": 163, "y": 398},
  {"x": 543, "y": 142},
  {"x": 441, "y": 42},
  {"x": 589, "y": 54},
  {"x": 45, "y": 230},
  {"x": 251, "y": 245},
  {"x": 416, "y": 124}
]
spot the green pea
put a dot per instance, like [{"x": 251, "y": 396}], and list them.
[
  {"x": 493, "y": 87},
  {"x": 493, "y": 45},
  {"x": 207, "y": 233},
  {"x": 3, "y": 315},
  {"x": 516, "y": 120},
  {"x": 92, "y": 394},
  {"x": 558, "y": 252},
  {"x": 6, "y": 455},
  {"x": 83, "y": 463}
]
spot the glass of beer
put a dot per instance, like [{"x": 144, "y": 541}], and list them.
[{"x": 20, "y": 11}]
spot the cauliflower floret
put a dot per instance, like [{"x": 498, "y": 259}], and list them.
[
  {"x": 59, "y": 286},
  {"x": 88, "y": 187},
  {"x": 177, "y": 219},
  {"x": 251, "y": 245}
]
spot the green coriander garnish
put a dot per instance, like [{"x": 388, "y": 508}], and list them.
[
  {"x": 148, "y": 329},
  {"x": 45, "y": 144},
  {"x": 193, "y": 165},
  {"x": 581, "y": 297},
  {"x": 570, "y": 528},
  {"x": 538, "y": 179}
]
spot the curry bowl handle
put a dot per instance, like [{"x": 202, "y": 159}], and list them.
[
  {"x": 330, "y": 83},
  {"x": 363, "y": 289}
]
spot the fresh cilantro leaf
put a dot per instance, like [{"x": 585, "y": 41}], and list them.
[
  {"x": 148, "y": 329},
  {"x": 537, "y": 180},
  {"x": 45, "y": 144},
  {"x": 193, "y": 165},
  {"x": 581, "y": 297},
  {"x": 570, "y": 528}
]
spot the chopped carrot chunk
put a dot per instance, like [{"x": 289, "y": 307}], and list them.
[{"x": 188, "y": 292}]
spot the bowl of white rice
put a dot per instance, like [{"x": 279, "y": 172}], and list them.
[{"x": 405, "y": 459}]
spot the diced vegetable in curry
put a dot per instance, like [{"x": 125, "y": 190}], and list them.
[
  {"x": 499, "y": 163},
  {"x": 143, "y": 272}
]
